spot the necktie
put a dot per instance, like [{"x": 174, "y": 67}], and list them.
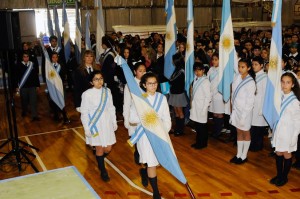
[{"x": 90, "y": 70}]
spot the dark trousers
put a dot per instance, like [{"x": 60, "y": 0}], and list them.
[
  {"x": 257, "y": 137},
  {"x": 56, "y": 110},
  {"x": 202, "y": 134},
  {"x": 29, "y": 97}
]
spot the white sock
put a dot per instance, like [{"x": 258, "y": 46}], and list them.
[
  {"x": 245, "y": 150},
  {"x": 240, "y": 145}
]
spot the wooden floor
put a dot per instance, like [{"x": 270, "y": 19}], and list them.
[{"x": 208, "y": 171}]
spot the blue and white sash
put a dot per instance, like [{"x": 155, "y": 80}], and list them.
[
  {"x": 213, "y": 75},
  {"x": 139, "y": 131},
  {"x": 241, "y": 84},
  {"x": 283, "y": 106},
  {"x": 97, "y": 114},
  {"x": 260, "y": 77},
  {"x": 57, "y": 68},
  {"x": 196, "y": 85},
  {"x": 26, "y": 74},
  {"x": 57, "y": 49}
]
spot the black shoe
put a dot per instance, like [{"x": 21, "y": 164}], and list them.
[
  {"x": 176, "y": 134},
  {"x": 281, "y": 182},
  {"x": 136, "y": 157},
  {"x": 200, "y": 147},
  {"x": 296, "y": 165},
  {"x": 105, "y": 177},
  {"x": 234, "y": 159},
  {"x": 274, "y": 180},
  {"x": 35, "y": 119},
  {"x": 241, "y": 161},
  {"x": 67, "y": 121},
  {"x": 56, "y": 118},
  {"x": 144, "y": 176},
  {"x": 193, "y": 145}
]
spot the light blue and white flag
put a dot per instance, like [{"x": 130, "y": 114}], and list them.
[
  {"x": 189, "y": 54},
  {"x": 170, "y": 39},
  {"x": 67, "y": 39},
  {"x": 78, "y": 35},
  {"x": 57, "y": 29},
  {"x": 159, "y": 139},
  {"x": 50, "y": 25},
  {"x": 100, "y": 31},
  {"x": 54, "y": 82},
  {"x": 226, "y": 52},
  {"x": 88, "y": 45},
  {"x": 271, "y": 107}
]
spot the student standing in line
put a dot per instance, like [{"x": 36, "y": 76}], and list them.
[
  {"x": 149, "y": 83},
  {"x": 200, "y": 99},
  {"x": 128, "y": 106},
  {"x": 98, "y": 117},
  {"x": 287, "y": 128},
  {"x": 217, "y": 105},
  {"x": 243, "y": 96},
  {"x": 259, "y": 126}
]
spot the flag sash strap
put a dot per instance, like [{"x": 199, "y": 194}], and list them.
[
  {"x": 26, "y": 74},
  {"x": 140, "y": 129},
  {"x": 283, "y": 106},
  {"x": 197, "y": 85},
  {"x": 213, "y": 76},
  {"x": 57, "y": 68},
  {"x": 243, "y": 83},
  {"x": 97, "y": 114},
  {"x": 176, "y": 74},
  {"x": 260, "y": 77}
]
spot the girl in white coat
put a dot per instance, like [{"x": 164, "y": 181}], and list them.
[
  {"x": 259, "y": 126},
  {"x": 217, "y": 105},
  {"x": 98, "y": 117},
  {"x": 287, "y": 128},
  {"x": 149, "y": 84},
  {"x": 200, "y": 99},
  {"x": 243, "y": 95}
]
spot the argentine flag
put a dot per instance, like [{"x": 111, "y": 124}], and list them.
[
  {"x": 78, "y": 35},
  {"x": 56, "y": 24},
  {"x": 100, "y": 29},
  {"x": 88, "y": 45},
  {"x": 67, "y": 44},
  {"x": 170, "y": 38},
  {"x": 50, "y": 26},
  {"x": 159, "y": 139},
  {"x": 271, "y": 107},
  {"x": 189, "y": 55},
  {"x": 226, "y": 52},
  {"x": 54, "y": 82}
]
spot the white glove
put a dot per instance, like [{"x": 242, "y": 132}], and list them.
[
  {"x": 115, "y": 126},
  {"x": 88, "y": 134},
  {"x": 78, "y": 109}
]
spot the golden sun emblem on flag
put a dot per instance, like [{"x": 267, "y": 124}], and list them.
[
  {"x": 168, "y": 36},
  {"x": 52, "y": 74},
  {"x": 145, "y": 95},
  {"x": 273, "y": 62},
  {"x": 66, "y": 35},
  {"x": 149, "y": 119},
  {"x": 188, "y": 47},
  {"x": 226, "y": 43}
]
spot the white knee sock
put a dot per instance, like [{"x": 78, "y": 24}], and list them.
[
  {"x": 240, "y": 145},
  {"x": 245, "y": 150}
]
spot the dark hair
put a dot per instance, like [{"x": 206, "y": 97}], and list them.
[
  {"x": 52, "y": 37},
  {"x": 107, "y": 40},
  {"x": 198, "y": 66},
  {"x": 178, "y": 61},
  {"x": 215, "y": 54},
  {"x": 258, "y": 59},
  {"x": 296, "y": 88},
  {"x": 249, "y": 65},
  {"x": 145, "y": 77},
  {"x": 54, "y": 53},
  {"x": 138, "y": 64},
  {"x": 94, "y": 73}
]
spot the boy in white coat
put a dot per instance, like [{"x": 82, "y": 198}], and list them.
[
  {"x": 200, "y": 99},
  {"x": 259, "y": 126}
]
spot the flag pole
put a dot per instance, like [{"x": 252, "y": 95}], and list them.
[{"x": 190, "y": 191}]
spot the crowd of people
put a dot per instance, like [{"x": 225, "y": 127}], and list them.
[{"x": 99, "y": 90}]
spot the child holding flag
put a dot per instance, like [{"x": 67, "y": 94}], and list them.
[
  {"x": 287, "y": 128},
  {"x": 243, "y": 96},
  {"x": 98, "y": 117},
  {"x": 200, "y": 99}
]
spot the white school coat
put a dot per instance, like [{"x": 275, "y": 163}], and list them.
[
  {"x": 143, "y": 145},
  {"x": 107, "y": 123},
  {"x": 217, "y": 104},
  {"x": 258, "y": 118},
  {"x": 242, "y": 106},
  {"x": 128, "y": 103},
  {"x": 200, "y": 101},
  {"x": 288, "y": 128}
]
